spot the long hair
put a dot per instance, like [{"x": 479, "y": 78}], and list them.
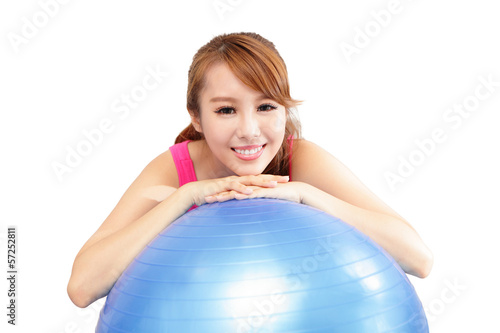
[{"x": 256, "y": 62}]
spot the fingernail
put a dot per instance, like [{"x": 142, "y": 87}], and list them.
[
  {"x": 248, "y": 190},
  {"x": 287, "y": 178}
]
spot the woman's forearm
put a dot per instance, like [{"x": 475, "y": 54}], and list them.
[
  {"x": 393, "y": 234},
  {"x": 97, "y": 268}
]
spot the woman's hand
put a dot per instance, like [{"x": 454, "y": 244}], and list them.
[
  {"x": 233, "y": 187},
  {"x": 291, "y": 191}
]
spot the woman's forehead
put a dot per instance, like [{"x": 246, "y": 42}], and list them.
[{"x": 221, "y": 84}]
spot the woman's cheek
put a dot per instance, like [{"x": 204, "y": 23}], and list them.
[{"x": 277, "y": 124}]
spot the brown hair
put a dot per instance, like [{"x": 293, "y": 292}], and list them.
[{"x": 257, "y": 63}]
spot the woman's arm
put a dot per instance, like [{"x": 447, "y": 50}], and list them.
[
  {"x": 321, "y": 181},
  {"x": 333, "y": 188},
  {"x": 134, "y": 222},
  {"x": 394, "y": 234},
  {"x": 137, "y": 219}
]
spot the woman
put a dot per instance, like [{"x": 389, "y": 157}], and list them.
[{"x": 243, "y": 142}]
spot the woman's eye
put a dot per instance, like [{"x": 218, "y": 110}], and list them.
[
  {"x": 231, "y": 110},
  {"x": 267, "y": 107},
  {"x": 225, "y": 110}
]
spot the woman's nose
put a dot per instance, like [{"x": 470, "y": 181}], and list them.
[{"x": 248, "y": 126}]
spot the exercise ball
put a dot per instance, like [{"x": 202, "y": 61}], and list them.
[{"x": 262, "y": 265}]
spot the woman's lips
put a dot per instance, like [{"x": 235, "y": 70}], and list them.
[{"x": 248, "y": 153}]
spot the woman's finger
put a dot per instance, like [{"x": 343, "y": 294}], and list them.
[
  {"x": 290, "y": 192},
  {"x": 284, "y": 192},
  {"x": 263, "y": 180},
  {"x": 225, "y": 196},
  {"x": 239, "y": 187}
]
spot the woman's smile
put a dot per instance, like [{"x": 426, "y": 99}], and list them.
[{"x": 248, "y": 153}]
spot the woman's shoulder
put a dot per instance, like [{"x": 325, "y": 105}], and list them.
[
  {"x": 307, "y": 157},
  {"x": 162, "y": 169},
  {"x": 303, "y": 148}
]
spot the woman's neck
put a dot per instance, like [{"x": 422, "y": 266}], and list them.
[{"x": 206, "y": 165}]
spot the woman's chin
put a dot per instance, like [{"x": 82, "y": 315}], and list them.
[{"x": 248, "y": 170}]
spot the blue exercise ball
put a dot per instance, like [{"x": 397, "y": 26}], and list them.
[{"x": 262, "y": 265}]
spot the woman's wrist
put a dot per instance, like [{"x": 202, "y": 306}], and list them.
[
  {"x": 186, "y": 195},
  {"x": 305, "y": 193},
  {"x": 314, "y": 197}
]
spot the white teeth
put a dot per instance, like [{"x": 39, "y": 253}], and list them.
[{"x": 248, "y": 152}]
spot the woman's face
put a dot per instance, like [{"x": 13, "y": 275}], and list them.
[{"x": 242, "y": 127}]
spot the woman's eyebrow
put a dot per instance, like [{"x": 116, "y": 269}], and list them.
[
  {"x": 222, "y": 99},
  {"x": 232, "y": 99}
]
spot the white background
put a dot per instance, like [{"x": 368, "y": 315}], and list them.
[{"x": 368, "y": 112}]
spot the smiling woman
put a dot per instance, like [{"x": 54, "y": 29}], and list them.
[
  {"x": 241, "y": 143},
  {"x": 250, "y": 127},
  {"x": 242, "y": 65}
]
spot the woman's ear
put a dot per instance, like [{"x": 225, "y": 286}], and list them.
[{"x": 195, "y": 121}]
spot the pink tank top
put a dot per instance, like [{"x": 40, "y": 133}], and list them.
[
  {"x": 185, "y": 167},
  {"x": 183, "y": 163}
]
